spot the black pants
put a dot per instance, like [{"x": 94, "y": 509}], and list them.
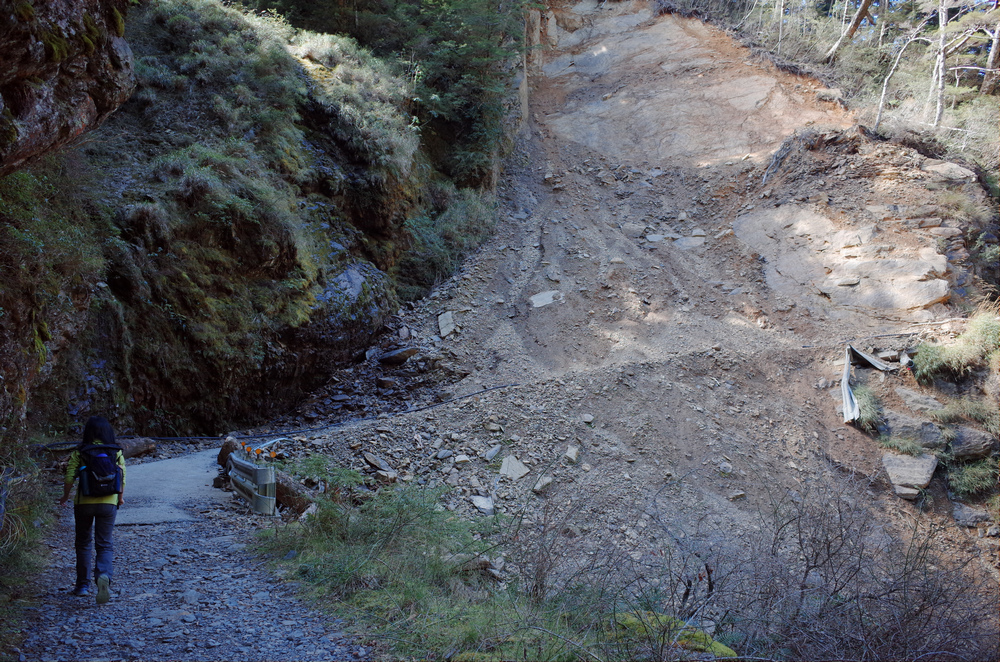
[{"x": 94, "y": 522}]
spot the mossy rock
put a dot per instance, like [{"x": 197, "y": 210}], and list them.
[
  {"x": 651, "y": 624},
  {"x": 56, "y": 46}
]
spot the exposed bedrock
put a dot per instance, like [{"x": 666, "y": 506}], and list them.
[{"x": 66, "y": 68}]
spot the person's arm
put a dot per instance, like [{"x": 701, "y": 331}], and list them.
[
  {"x": 71, "y": 468},
  {"x": 121, "y": 463}
]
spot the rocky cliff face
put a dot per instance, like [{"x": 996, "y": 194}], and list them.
[{"x": 66, "y": 68}]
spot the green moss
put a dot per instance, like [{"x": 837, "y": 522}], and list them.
[
  {"x": 24, "y": 11},
  {"x": 56, "y": 46},
  {"x": 92, "y": 35},
  {"x": 8, "y": 130},
  {"x": 663, "y": 628},
  {"x": 118, "y": 21}
]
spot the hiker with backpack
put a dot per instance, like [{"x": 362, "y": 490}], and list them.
[{"x": 99, "y": 465}]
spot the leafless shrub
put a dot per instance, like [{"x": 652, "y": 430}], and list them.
[{"x": 820, "y": 576}]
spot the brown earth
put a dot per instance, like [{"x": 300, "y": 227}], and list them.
[{"x": 670, "y": 290}]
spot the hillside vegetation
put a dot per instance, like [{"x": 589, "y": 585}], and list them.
[
  {"x": 922, "y": 72},
  {"x": 245, "y": 222},
  {"x": 234, "y": 227}
]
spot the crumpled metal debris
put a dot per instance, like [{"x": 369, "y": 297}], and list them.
[{"x": 853, "y": 355}]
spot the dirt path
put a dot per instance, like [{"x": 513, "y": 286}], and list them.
[{"x": 185, "y": 587}]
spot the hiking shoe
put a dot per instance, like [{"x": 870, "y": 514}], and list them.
[
  {"x": 103, "y": 584},
  {"x": 81, "y": 590}
]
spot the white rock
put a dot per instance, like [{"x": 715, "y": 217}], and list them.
[
  {"x": 513, "y": 468},
  {"x": 492, "y": 453},
  {"x": 587, "y": 418},
  {"x": 573, "y": 454},
  {"x": 655, "y": 238},
  {"x": 446, "y": 323},
  {"x": 685, "y": 243},
  {"x": 545, "y": 298},
  {"x": 541, "y": 484},
  {"x": 462, "y": 459},
  {"x": 483, "y": 503},
  {"x": 948, "y": 170}
]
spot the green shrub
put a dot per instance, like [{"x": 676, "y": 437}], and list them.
[
  {"x": 458, "y": 56},
  {"x": 869, "y": 415},
  {"x": 24, "y": 514},
  {"x": 979, "y": 411},
  {"x": 974, "y": 478},
  {"x": 971, "y": 350},
  {"x": 901, "y": 445},
  {"x": 440, "y": 241}
]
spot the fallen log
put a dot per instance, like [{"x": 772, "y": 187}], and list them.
[
  {"x": 292, "y": 494},
  {"x": 135, "y": 446}
]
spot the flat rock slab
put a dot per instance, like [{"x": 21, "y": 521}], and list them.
[
  {"x": 949, "y": 171},
  {"x": 545, "y": 298},
  {"x": 684, "y": 243},
  {"x": 924, "y": 432},
  {"x": 446, "y": 323},
  {"x": 157, "y": 492},
  {"x": 909, "y": 471},
  {"x": 917, "y": 401},
  {"x": 808, "y": 254},
  {"x": 513, "y": 468}
]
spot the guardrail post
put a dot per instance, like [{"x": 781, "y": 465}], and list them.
[{"x": 254, "y": 483}]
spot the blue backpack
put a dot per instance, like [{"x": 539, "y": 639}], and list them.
[{"x": 99, "y": 473}]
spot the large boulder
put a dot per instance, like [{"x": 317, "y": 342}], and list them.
[
  {"x": 970, "y": 443},
  {"x": 66, "y": 68},
  {"x": 925, "y": 433},
  {"x": 918, "y": 401}
]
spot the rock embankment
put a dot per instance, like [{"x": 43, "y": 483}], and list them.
[{"x": 66, "y": 69}]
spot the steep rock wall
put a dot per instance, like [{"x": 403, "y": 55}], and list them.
[{"x": 66, "y": 68}]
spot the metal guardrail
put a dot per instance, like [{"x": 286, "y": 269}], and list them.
[{"x": 254, "y": 483}]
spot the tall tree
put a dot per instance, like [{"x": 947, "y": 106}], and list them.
[
  {"x": 991, "y": 81},
  {"x": 861, "y": 14}
]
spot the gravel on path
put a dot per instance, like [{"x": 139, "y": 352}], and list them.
[{"x": 188, "y": 590}]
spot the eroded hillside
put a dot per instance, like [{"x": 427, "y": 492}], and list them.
[{"x": 692, "y": 239}]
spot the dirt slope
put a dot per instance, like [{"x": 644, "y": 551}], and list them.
[{"x": 668, "y": 295}]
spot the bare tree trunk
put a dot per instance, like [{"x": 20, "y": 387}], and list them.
[
  {"x": 992, "y": 78},
  {"x": 888, "y": 77},
  {"x": 942, "y": 47},
  {"x": 779, "y": 11},
  {"x": 851, "y": 29}
]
